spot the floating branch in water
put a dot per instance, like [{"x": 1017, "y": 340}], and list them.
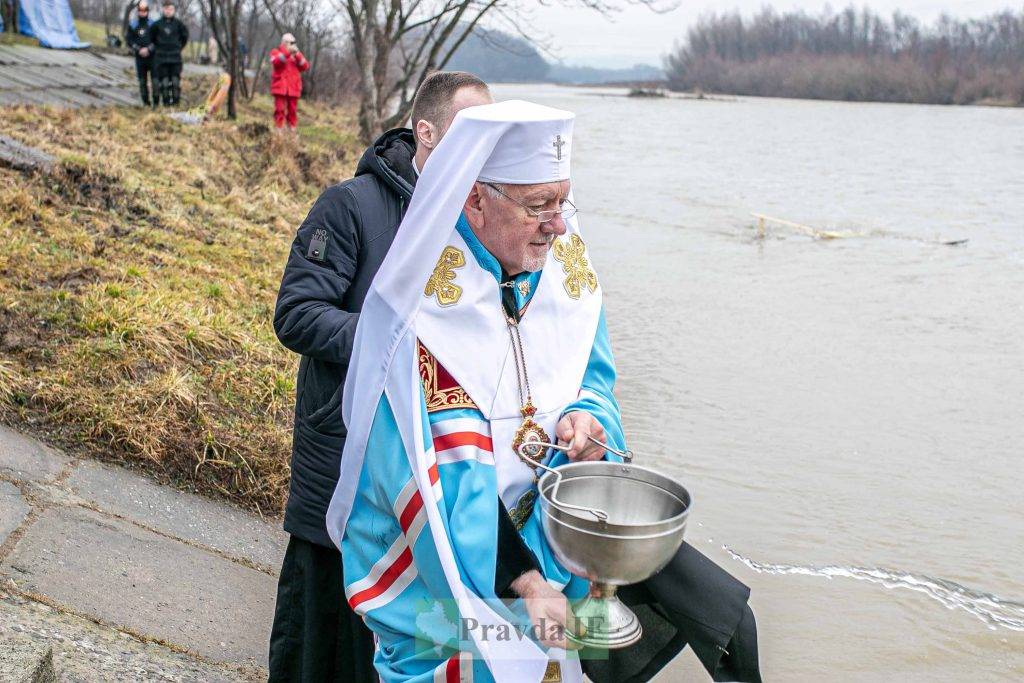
[
  {"x": 818, "y": 234},
  {"x": 805, "y": 229}
]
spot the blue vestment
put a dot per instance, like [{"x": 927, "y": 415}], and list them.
[{"x": 393, "y": 575}]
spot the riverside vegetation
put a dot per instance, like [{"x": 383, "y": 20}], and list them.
[
  {"x": 137, "y": 286},
  {"x": 854, "y": 55}
]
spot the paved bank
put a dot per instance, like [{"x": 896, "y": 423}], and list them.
[
  {"x": 72, "y": 78},
  {"x": 107, "y": 575}
]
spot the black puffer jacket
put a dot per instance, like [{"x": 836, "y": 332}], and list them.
[
  {"x": 333, "y": 259},
  {"x": 137, "y": 36},
  {"x": 168, "y": 37}
]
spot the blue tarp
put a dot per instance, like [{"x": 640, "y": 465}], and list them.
[{"x": 50, "y": 22}]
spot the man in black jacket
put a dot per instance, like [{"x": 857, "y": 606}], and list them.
[
  {"x": 168, "y": 37},
  {"x": 333, "y": 259},
  {"x": 137, "y": 39}
]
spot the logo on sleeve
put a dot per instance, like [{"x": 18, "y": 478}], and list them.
[{"x": 318, "y": 246}]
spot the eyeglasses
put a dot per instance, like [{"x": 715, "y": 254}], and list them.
[{"x": 567, "y": 210}]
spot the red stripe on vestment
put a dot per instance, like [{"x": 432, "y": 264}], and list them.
[
  {"x": 445, "y": 441},
  {"x": 452, "y": 671},
  {"x": 411, "y": 510},
  {"x": 389, "y": 576}
]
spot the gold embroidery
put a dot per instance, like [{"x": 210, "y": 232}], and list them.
[
  {"x": 578, "y": 273},
  {"x": 553, "y": 673},
  {"x": 442, "y": 281},
  {"x": 523, "y": 509},
  {"x": 524, "y": 287},
  {"x": 439, "y": 398}
]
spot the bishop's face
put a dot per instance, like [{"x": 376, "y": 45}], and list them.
[{"x": 504, "y": 220}]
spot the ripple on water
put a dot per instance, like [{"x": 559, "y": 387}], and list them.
[{"x": 996, "y": 612}]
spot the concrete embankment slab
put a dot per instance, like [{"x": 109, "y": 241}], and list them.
[
  {"x": 148, "y": 583},
  {"x": 199, "y": 520},
  {"x": 25, "y": 459},
  {"x": 72, "y": 78},
  {"x": 13, "y": 509},
  {"x": 41, "y": 644},
  {"x": 23, "y": 157}
]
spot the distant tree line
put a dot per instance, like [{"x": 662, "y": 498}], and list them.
[
  {"x": 854, "y": 55},
  {"x": 499, "y": 57}
]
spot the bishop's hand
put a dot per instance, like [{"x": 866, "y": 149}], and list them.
[
  {"x": 549, "y": 611},
  {"x": 573, "y": 429}
]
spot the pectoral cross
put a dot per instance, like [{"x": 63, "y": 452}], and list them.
[{"x": 558, "y": 144}]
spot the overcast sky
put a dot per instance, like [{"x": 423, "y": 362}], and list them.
[{"x": 638, "y": 35}]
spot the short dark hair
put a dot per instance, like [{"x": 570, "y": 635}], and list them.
[{"x": 434, "y": 96}]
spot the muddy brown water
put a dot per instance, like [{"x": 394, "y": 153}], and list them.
[{"x": 848, "y": 414}]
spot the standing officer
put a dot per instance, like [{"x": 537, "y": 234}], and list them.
[
  {"x": 168, "y": 37},
  {"x": 137, "y": 38}
]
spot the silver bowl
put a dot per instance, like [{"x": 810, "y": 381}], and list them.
[
  {"x": 646, "y": 518},
  {"x": 613, "y": 524}
]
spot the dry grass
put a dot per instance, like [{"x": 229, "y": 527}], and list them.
[
  {"x": 88, "y": 31},
  {"x": 137, "y": 287}
]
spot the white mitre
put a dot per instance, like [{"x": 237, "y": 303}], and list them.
[
  {"x": 512, "y": 142},
  {"x": 535, "y": 149}
]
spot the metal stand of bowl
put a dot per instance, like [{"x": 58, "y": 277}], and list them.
[{"x": 634, "y": 534}]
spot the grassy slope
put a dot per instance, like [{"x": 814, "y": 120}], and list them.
[
  {"x": 88, "y": 31},
  {"x": 7, "y": 38},
  {"x": 137, "y": 286},
  {"x": 94, "y": 32}
]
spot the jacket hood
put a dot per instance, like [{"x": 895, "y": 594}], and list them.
[{"x": 390, "y": 159}]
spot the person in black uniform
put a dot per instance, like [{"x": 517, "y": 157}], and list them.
[
  {"x": 168, "y": 37},
  {"x": 137, "y": 39}
]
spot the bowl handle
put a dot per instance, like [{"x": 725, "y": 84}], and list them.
[
  {"x": 601, "y": 515},
  {"x": 626, "y": 455}
]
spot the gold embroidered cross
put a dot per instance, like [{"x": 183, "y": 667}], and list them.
[
  {"x": 578, "y": 273},
  {"x": 442, "y": 281}
]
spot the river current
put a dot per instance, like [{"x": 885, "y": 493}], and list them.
[{"x": 848, "y": 413}]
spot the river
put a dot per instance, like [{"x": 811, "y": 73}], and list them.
[{"x": 848, "y": 413}]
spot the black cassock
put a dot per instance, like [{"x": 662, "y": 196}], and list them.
[{"x": 692, "y": 601}]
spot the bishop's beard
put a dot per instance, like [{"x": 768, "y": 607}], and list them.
[{"x": 531, "y": 264}]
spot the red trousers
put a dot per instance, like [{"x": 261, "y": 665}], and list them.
[{"x": 286, "y": 109}]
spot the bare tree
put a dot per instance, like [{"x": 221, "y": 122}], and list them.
[
  {"x": 9, "y": 14},
  {"x": 397, "y": 43},
  {"x": 224, "y": 18}
]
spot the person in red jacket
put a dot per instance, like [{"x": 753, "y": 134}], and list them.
[{"x": 286, "y": 81}]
